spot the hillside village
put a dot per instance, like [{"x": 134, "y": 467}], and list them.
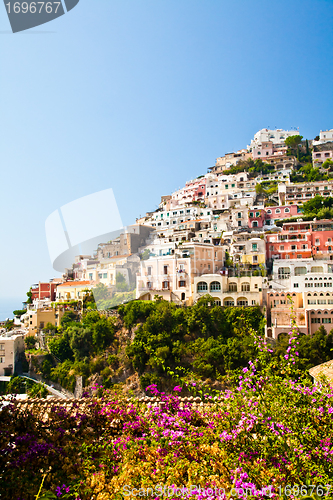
[{"x": 255, "y": 230}]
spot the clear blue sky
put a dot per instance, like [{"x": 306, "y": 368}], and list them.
[{"x": 141, "y": 96}]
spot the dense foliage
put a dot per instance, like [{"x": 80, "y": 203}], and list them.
[
  {"x": 152, "y": 340},
  {"x": 269, "y": 435}
]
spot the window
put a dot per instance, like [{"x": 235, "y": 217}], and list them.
[
  {"x": 299, "y": 256},
  {"x": 251, "y": 214},
  {"x": 232, "y": 287},
  {"x": 255, "y": 259},
  {"x": 165, "y": 269},
  {"x": 149, "y": 284},
  {"x": 2, "y": 347},
  {"x": 215, "y": 286},
  {"x": 321, "y": 301},
  {"x": 105, "y": 275},
  {"x": 100, "y": 275},
  {"x": 202, "y": 286},
  {"x": 229, "y": 302},
  {"x": 326, "y": 320},
  {"x": 182, "y": 283},
  {"x": 293, "y": 247},
  {"x": 269, "y": 211},
  {"x": 254, "y": 247},
  {"x": 165, "y": 285},
  {"x": 90, "y": 276},
  {"x": 239, "y": 215},
  {"x": 245, "y": 287},
  {"x": 286, "y": 210},
  {"x": 149, "y": 270},
  {"x": 255, "y": 224},
  {"x": 295, "y": 285},
  {"x": 2, "y": 360},
  {"x": 257, "y": 214},
  {"x": 312, "y": 301},
  {"x": 315, "y": 320},
  {"x": 281, "y": 247},
  {"x": 277, "y": 211},
  {"x": 242, "y": 302}
]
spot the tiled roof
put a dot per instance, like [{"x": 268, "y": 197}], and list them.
[{"x": 76, "y": 283}]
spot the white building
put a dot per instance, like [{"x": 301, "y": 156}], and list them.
[
  {"x": 277, "y": 136},
  {"x": 230, "y": 291},
  {"x": 11, "y": 347},
  {"x": 324, "y": 136}
]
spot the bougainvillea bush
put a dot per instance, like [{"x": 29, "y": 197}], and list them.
[{"x": 270, "y": 435}]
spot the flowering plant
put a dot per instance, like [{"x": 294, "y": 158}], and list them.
[{"x": 270, "y": 429}]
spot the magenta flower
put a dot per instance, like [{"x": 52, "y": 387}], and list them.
[{"x": 177, "y": 388}]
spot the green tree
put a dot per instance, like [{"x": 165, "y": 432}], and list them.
[
  {"x": 68, "y": 319},
  {"x": 61, "y": 348},
  {"x": 293, "y": 141},
  {"x": 30, "y": 342},
  {"x": 145, "y": 254},
  {"x": 19, "y": 312},
  {"x": 100, "y": 292},
  {"x": 80, "y": 341},
  {"x": 37, "y": 391},
  {"x": 121, "y": 283},
  {"x": 29, "y": 295},
  {"x": 103, "y": 334}
]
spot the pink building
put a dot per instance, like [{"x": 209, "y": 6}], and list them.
[
  {"x": 267, "y": 150},
  {"x": 322, "y": 153},
  {"x": 259, "y": 217},
  {"x": 193, "y": 191},
  {"x": 277, "y": 213},
  {"x": 301, "y": 240}
]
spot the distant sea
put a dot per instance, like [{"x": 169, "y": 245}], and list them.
[{"x": 7, "y": 306}]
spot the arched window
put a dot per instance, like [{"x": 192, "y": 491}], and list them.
[
  {"x": 300, "y": 271},
  {"x": 286, "y": 210},
  {"x": 317, "y": 269},
  {"x": 202, "y": 287},
  {"x": 229, "y": 301},
  {"x": 217, "y": 302},
  {"x": 284, "y": 272},
  {"x": 245, "y": 287},
  {"x": 215, "y": 286},
  {"x": 232, "y": 287},
  {"x": 277, "y": 211},
  {"x": 242, "y": 301}
]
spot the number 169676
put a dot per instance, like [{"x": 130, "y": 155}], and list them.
[
  {"x": 305, "y": 490},
  {"x": 32, "y": 7}
]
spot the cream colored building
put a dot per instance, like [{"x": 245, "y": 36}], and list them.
[
  {"x": 35, "y": 320},
  {"x": 172, "y": 276},
  {"x": 73, "y": 290},
  {"x": 11, "y": 347},
  {"x": 230, "y": 291}
]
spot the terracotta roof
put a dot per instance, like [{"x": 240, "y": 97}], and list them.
[
  {"x": 323, "y": 369},
  {"x": 76, "y": 283}
]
